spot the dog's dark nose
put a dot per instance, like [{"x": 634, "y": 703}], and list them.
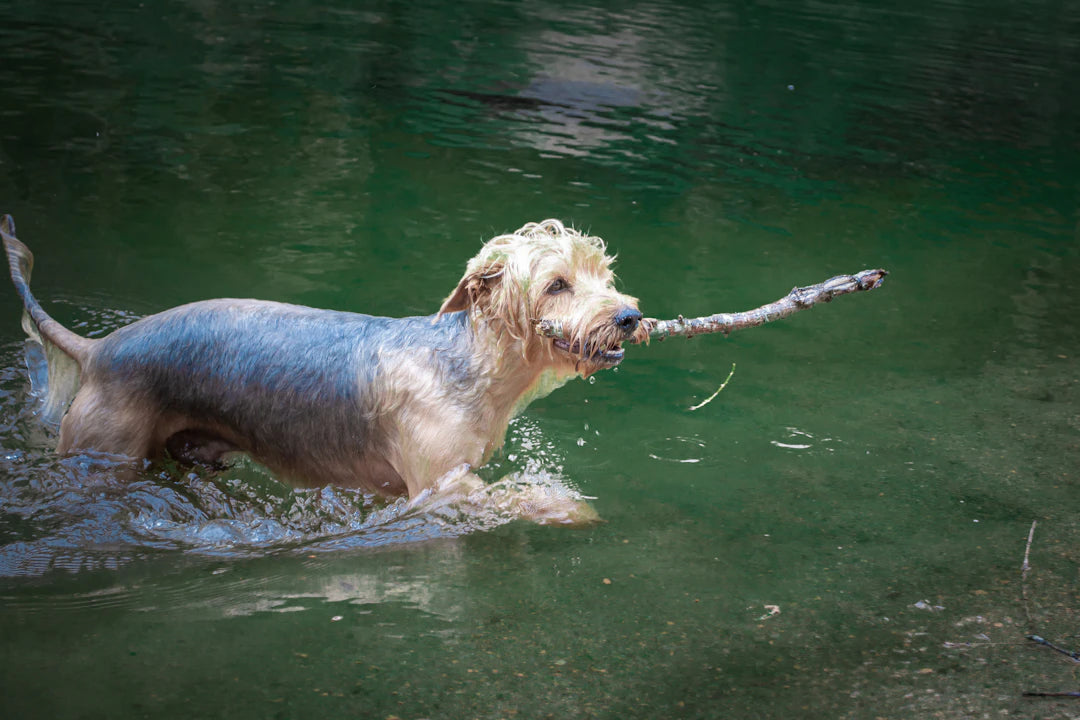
[{"x": 627, "y": 320}]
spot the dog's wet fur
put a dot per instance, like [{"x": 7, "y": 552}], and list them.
[{"x": 388, "y": 405}]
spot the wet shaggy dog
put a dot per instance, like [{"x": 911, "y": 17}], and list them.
[{"x": 387, "y": 405}]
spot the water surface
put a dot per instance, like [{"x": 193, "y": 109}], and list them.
[{"x": 838, "y": 534}]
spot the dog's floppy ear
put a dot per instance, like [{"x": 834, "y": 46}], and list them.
[
  {"x": 491, "y": 290},
  {"x": 457, "y": 300},
  {"x": 473, "y": 290}
]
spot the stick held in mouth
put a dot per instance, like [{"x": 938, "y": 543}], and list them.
[{"x": 800, "y": 298}]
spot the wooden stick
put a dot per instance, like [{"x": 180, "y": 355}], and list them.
[{"x": 799, "y": 298}]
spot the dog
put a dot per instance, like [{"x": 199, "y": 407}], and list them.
[{"x": 391, "y": 406}]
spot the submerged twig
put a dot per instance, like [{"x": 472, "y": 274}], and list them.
[
  {"x": 1064, "y": 651},
  {"x": 712, "y": 397},
  {"x": 800, "y": 298},
  {"x": 1053, "y": 694},
  {"x": 1024, "y": 568},
  {"x": 1024, "y": 572}
]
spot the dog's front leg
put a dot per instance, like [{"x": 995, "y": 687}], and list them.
[
  {"x": 461, "y": 490},
  {"x": 438, "y": 447},
  {"x": 545, "y": 504}
]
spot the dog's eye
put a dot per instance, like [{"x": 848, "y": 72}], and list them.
[{"x": 557, "y": 286}]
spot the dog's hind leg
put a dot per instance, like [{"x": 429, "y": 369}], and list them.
[{"x": 95, "y": 422}]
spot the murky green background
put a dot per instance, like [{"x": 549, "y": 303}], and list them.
[{"x": 872, "y": 470}]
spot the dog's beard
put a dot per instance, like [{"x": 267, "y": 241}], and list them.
[{"x": 597, "y": 350}]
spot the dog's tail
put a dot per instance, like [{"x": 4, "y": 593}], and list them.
[
  {"x": 41, "y": 326},
  {"x": 65, "y": 352}
]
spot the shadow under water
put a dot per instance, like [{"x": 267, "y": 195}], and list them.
[{"x": 92, "y": 511}]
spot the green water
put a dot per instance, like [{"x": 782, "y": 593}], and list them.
[{"x": 872, "y": 469}]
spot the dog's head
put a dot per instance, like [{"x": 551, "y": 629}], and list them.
[{"x": 546, "y": 271}]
